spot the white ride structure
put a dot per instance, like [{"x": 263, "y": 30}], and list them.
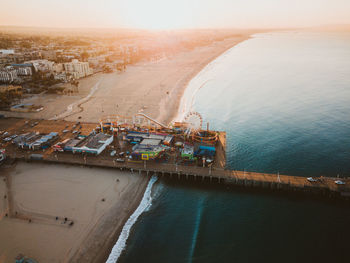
[{"x": 193, "y": 122}]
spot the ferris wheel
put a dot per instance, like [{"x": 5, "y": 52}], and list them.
[{"x": 193, "y": 121}]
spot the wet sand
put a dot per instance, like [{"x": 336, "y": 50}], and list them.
[
  {"x": 41, "y": 192},
  {"x": 154, "y": 88}
]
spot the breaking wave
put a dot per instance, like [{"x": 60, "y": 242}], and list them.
[{"x": 123, "y": 237}]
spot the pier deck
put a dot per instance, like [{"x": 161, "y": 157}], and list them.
[{"x": 217, "y": 173}]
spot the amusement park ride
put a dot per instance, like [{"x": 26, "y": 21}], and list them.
[{"x": 190, "y": 129}]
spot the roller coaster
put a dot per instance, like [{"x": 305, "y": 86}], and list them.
[{"x": 190, "y": 128}]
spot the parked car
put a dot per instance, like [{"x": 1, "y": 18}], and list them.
[
  {"x": 339, "y": 182},
  {"x": 113, "y": 152},
  {"x": 120, "y": 160},
  {"x": 209, "y": 160},
  {"x": 311, "y": 179}
]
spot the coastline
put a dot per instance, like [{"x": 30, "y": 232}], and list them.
[
  {"x": 197, "y": 70},
  {"x": 174, "y": 113},
  {"x": 99, "y": 251},
  {"x": 163, "y": 99},
  {"x": 155, "y": 89}
]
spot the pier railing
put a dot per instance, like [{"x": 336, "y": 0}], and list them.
[{"x": 324, "y": 185}]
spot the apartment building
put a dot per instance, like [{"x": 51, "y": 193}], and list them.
[
  {"x": 8, "y": 75},
  {"x": 77, "y": 69}
]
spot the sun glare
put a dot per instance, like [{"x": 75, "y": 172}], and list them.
[{"x": 158, "y": 14}]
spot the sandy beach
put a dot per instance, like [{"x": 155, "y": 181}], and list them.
[
  {"x": 40, "y": 192},
  {"x": 154, "y": 88}
]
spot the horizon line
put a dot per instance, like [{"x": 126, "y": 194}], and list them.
[{"x": 171, "y": 29}]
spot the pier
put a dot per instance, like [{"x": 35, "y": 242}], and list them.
[
  {"x": 215, "y": 173},
  {"x": 324, "y": 186}
]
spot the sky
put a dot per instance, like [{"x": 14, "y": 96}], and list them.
[{"x": 173, "y": 14}]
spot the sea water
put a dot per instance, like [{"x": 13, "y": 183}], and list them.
[{"x": 284, "y": 100}]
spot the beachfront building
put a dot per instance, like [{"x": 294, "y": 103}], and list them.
[
  {"x": 78, "y": 69},
  {"x": 148, "y": 145},
  {"x": 93, "y": 144},
  {"x": 135, "y": 137},
  {"x": 35, "y": 141},
  {"x": 41, "y": 65},
  {"x": 8, "y": 75},
  {"x": 23, "y": 69}
]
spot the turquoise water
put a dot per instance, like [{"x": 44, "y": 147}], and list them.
[{"x": 284, "y": 100}]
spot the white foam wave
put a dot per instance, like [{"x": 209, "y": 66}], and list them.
[
  {"x": 144, "y": 205},
  {"x": 156, "y": 192}
]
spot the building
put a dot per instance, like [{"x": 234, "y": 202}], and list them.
[
  {"x": 96, "y": 61},
  {"x": 78, "y": 69},
  {"x": 93, "y": 144},
  {"x": 8, "y": 75},
  {"x": 48, "y": 54},
  {"x": 41, "y": 65},
  {"x": 148, "y": 145},
  {"x": 134, "y": 137},
  {"x": 23, "y": 69},
  {"x": 7, "y": 52},
  {"x": 58, "y": 68},
  {"x": 68, "y": 144},
  {"x": 35, "y": 141},
  {"x": 62, "y": 77}
]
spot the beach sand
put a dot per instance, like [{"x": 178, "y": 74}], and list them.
[
  {"x": 41, "y": 192},
  {"x": 155, "y": 88}
]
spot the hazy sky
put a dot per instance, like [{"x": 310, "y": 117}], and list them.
[{"x": 174, "y": 13}]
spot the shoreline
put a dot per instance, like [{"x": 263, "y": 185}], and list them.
[
  {"x": 154, "y": 89},
  {"x": 175, "y": 113},
  {"x": 96, "y": 247},
  {"x": 145, "y": 203},
  {"x": 101, "y": 253},
  {"x": 184, "y": 83}
]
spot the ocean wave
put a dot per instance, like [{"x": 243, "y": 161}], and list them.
[
  {"x": 156, "y": 193},
  {"x": 124, "y": 235}
]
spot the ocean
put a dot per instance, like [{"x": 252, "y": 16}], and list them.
[{"x": 284, "y": 100}]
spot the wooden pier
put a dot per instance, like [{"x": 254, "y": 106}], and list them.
[{"x": 325, "y": 186}]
